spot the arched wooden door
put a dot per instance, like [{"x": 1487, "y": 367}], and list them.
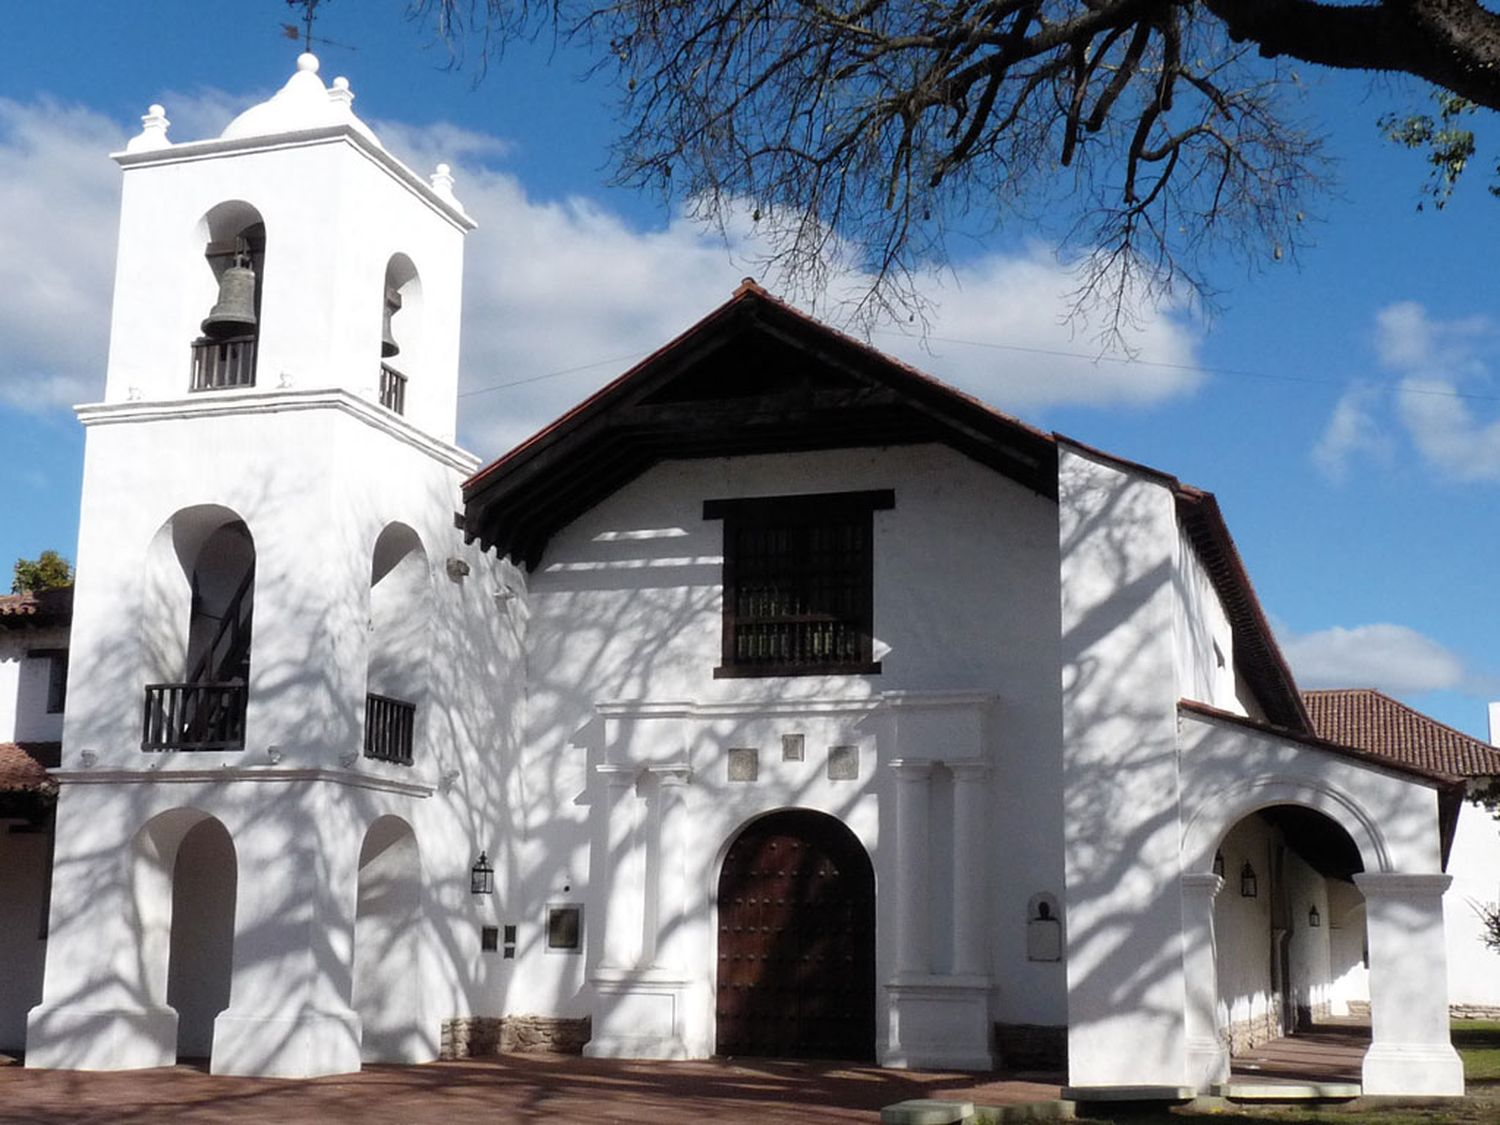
[{"x": 796, "y": 941}]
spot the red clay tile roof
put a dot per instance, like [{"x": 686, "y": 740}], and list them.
[
  {"x": 1440, "y": 778},
  {"x": 46, "y": 607},
  {"x": 22, "y": 769},
  {"x": 1378, "y": 724}
]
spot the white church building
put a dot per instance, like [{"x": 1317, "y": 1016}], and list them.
[{"x": 776, "y": 700}]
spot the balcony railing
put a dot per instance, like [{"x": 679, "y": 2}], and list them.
[
  {"x": 392, "y": 389},
  {"x": 218, "y": 364},
  {"x": 194, "y": 717},
  {"x": 388, "y": 729}
]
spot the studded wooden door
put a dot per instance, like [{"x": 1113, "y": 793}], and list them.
[{"x": 796, "y": 941}]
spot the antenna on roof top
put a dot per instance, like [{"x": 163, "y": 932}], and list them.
[{"x": 305, "y": 33}]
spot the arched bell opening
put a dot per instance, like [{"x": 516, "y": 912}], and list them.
[
  {"x": 796, "y": 943},
  {"x": 233, "y": 237},
  {"x": 185, "y": 885},
  {"x": 400, "y": 331},
  {"x": 387, "y": 989},
  {"x": 396, "y": 674},
  {"x": 197, "y": 621},
  {"x": 1289, "y": 926}
]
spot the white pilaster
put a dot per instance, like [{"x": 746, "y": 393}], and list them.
[
  {"x": 913, "y": 790},
  {"x": 1208, "y": 1056},
  {"x": 618, "y": 945},
  {"x": 1410, "y": 1051},
  {"x": 969, "y": 869},
  {"x": 671, "y": 897}
]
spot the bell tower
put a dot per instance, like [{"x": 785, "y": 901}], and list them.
[
  {"x": 267, "y": 568},
  {"x": 291, "y": 253}
]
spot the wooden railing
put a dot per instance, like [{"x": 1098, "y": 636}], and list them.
[
  {"x": 218, "y": 364},
  {"x": 194, "y": 717},
  {"x": 392, "y": 389},
  {"x": 389, "y": 724}
]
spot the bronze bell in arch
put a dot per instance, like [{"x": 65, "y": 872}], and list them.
[
  {"x": 388, "y": 345},
  {"x": 234, "y": 312}
]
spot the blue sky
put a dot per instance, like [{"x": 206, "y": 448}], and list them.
[{"x": 1344, "y": 407}]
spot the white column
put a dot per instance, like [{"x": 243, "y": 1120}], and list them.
[
  {"x": 969, "y": 868},
  {"x": 1410, "y": 1051},
  {"x": 1208, "y": 1056},
  {"x": 671, "y": 895},
  {"x": 913, "y": 948},
  {"x": 618, "y": 949}
]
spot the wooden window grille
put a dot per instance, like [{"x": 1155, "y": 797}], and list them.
[
  {"x": 392, "y": 389},
  {"x": 389, "y": 727},
  {"x": 798, "y": 583},
  {"x": 221, "y": 364}
]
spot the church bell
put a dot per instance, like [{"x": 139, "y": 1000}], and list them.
[
  {"x": 234, "y": 312},
  {"x": 388, "y": 345}
]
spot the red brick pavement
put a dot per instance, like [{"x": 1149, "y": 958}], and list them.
[{"x": 512, "y": 1088}]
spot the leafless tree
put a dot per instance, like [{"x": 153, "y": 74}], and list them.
[{"x": 863, "y": 132}]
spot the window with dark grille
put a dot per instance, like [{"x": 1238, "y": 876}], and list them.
[
  {"x": 798, "y": 583},
  {"x": 57, "y": 677}
]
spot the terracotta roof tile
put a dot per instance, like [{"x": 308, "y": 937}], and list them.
[
  {"x": 22, "y": 768},
  {"x": 1374, "y": 722},
  {"x": 28, "y": 610}
]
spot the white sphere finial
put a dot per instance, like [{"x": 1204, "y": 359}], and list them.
[{"x": 307, "y": 61}]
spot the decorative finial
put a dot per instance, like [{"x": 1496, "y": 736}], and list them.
[
  {"x": 307, "y": 61},
  {"x": 339, "y": 93},
  {"x": 442, "y": 183},
  {"x": 153, "y": 132}
]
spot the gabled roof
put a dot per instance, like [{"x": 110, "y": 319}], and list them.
[
  {"x": 1378, "y": 724},
  {"x": 759, "y": 376},
  {"x": 754, "y": 376},
  {"x": 34, "y": 610}
]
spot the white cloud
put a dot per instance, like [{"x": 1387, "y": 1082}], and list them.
[
  {"x": 1353, "y": 430},
  {"x": 550, "y": 286},
  {"x": 1393, "y": 658},
  {"x": 1444, "y": 386},
  {"x": 59, "y": 194}
]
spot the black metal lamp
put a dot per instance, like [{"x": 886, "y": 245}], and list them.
[
  {"x": 481, "y": 876},
  {"x": 1219, "y": 864},
  {"x": 1314, "y": 919},
  {"x": 1249, "y": 888}
]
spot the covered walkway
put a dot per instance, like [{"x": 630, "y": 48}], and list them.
[{"x": 1330, "y": 1052}]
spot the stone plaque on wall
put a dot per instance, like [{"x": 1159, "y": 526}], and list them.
[
  {"x": 793, "y": 747},
  {"x": 843, "y": 763},
  {"x": 744, "y": 763}
]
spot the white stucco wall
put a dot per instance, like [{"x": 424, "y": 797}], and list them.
[
  {"x": 1119, "y": 568},
  {"x": 1204, "y": 640},
  {"x": 1474, "y": 863},
  {"x": 625, "y": 608},
  {"x": 23, "y": 685}
]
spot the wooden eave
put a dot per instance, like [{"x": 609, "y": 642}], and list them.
[
  {"x": 1257, "y": 657},
  {"x": 815, "y": 389}
]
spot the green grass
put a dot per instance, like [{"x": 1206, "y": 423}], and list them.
[{"x": 1478, "y": 1042}]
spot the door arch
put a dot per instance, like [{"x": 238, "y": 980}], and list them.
[{"x": 796, "y": 945}]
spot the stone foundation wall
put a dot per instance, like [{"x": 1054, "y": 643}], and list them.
[
  {"x": 1031, "y": 1046},
  {"x": 1473, "y": 1012},
  {"x": 1359, "y": 1009},
  {"x": 1246, "y": 1035},
  {"x": 472, "y": 1036}
]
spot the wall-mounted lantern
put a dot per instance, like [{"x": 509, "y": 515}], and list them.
[
  {"x": 1314, "y": 919},
  {"x": 481, "y": 876},
  {"x": 1219, "y": 864},
  {"x": 1249, "y": 888}
]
